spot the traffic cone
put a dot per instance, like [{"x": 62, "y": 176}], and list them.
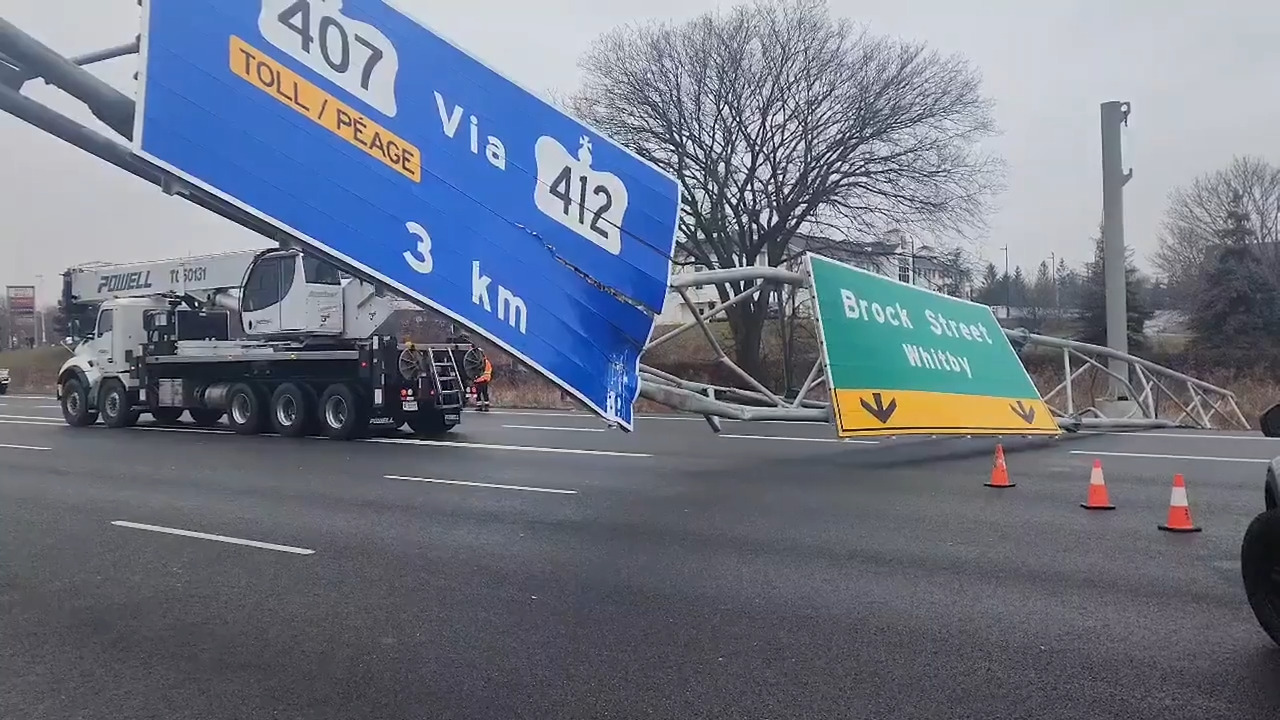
[
  {"x": 1097, "y": 490},
  {"x": 1000, "y": 473},
  {"x": 1179, "y": 511}
]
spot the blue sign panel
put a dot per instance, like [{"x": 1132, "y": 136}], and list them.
[{"x": 352, "y": 126}]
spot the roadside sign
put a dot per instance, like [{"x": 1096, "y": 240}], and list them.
[
  {"x": 903, "y": 360},
  {"x": 354, "y": 127}
]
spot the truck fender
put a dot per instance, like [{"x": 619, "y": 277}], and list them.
[{"x": 91, "y": 386}]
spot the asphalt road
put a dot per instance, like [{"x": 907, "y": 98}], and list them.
[{"x": 539, "y": 566}]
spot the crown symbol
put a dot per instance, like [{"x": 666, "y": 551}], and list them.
[{"x": 587, "y": 201}]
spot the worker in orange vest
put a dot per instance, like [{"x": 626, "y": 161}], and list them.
[{"x": 482, "y": 386}]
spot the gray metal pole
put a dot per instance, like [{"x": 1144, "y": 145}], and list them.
[{"x": 1114, "y": 115}]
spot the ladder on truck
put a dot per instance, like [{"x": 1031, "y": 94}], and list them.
[{"x": 447, "y": 379}]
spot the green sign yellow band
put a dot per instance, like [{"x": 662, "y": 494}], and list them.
[
  {"x": 911, "y": 412},
  {"x": 904, "y": 360}
]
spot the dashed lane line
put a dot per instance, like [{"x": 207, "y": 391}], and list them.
[
  {"x": 1159, "y": 456},
  {"x": 216, "y": 538},
  {"x": 495, "y": 486}
]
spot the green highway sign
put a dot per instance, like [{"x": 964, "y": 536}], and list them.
[{"x": 903, "y": 360}]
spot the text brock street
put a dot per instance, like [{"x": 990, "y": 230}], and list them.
[{"x": 920, "y": 356}]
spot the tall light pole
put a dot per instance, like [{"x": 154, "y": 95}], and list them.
[
  {"x": 39, "y": 316},
  {"x": 1008, "y": 285},
  {"x": 1053, "y": 269},
  {"x": 1115, "y": 114}
]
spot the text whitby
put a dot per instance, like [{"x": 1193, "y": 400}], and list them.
[{"x": 921, "y": 355}]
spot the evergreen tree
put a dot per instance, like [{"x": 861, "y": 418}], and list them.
[
  {"x": 1018, "y": 293},
  {"x": 1093, "y": 300},
  {"x": 1239, "y": 304},
  {"x": 988, "y": 291},
  {"x": 1068, "y": 279}
]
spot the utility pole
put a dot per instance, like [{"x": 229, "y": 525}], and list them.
[
  {"x": 1114, "y": 115},
  {"x": 1008, "y": 285},
  {"x": 1053, "y": 269}
]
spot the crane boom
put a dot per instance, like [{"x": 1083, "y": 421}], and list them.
[{"x": 200, "y": 275}]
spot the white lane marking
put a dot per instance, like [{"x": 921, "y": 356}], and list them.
[
  {"x": 801, "y": 439},
  {"x": 22, "y": 447},
  {"x": 30, "y": 417},
  {"x": 555, "y": 427},
  {"x": 541, "y": 413},
  {"x": 50, "y": 422},
  {"x": 556, "y": 491},
  {"x": 490, "y": 446},
  {"x": 401, "y": 441},
  {"x": 1169, "y": 457},
  {"x": 1206, "y": 436},
  {"x": 34, "y": 407},
  {"x": 216, "y": 538}
]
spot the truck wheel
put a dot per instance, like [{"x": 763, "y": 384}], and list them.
[
  {"x": 244, "y": 409},
  {"x": 342, "y": 414},
  {"x": 206, "y": 417},
  {"x": 1260, "y": 566},
  {"x": 292, "y": 410},
  {"x": 428, "y": 424},
  {"x": 75, "y": 404},
  {"x": 167, "y": 415},
  {"x": 113, "y": 402},
  {"x": 4, "y": 389}
]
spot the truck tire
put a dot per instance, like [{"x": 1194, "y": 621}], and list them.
[
  {"x": 428, "y": 423},
  {"x": 167, "y": 415},
  {"x": 1260, "y": 566},
  {"x": 75, "y": 404},
  {"x": 293, "y": 410},
  {"x": 4, "y": 389},
  {"x": 245, "y": 412},
  {"x": 206, "y": 417},
  {"x": 342, "y": 413},
  {"x": 113, "y": 403}
]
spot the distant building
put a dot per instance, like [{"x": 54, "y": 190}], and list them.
[{"x": 895, "y": 255}]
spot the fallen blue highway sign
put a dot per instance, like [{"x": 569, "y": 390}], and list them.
[{"x": 357, "y": 129}]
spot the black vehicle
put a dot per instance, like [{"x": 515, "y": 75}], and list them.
[{"x": 1260, "y": 557}]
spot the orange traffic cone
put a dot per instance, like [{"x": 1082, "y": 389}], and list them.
[
  {"x": 1179, "y": 511},
  {"x": 1000, "y": 473},
  {"x": 1097, "y": 490}
]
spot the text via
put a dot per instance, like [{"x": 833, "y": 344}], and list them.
[
  {"x": 331, "y": 113},
  {"x": 450, "y": 119},
  {"x": 353, "y": 55},
  {"x": 511, "y": 307}
]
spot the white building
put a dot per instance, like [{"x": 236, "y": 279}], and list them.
[{"x": 896, "y": 255}]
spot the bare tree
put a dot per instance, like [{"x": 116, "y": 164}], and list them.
[
  {"x": 777, "y": 118},
  {"x": 1197, "y": 213}
]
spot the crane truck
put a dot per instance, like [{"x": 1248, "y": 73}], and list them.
[{"x": 274, "y": 340}]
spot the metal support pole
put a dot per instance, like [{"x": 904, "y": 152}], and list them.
[{"x": 1114, "y": 115}]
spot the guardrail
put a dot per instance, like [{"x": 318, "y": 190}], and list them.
[{"x": 1154, "y": 398}]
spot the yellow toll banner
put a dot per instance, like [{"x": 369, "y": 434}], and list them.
[{"x": 273, "y": 78}]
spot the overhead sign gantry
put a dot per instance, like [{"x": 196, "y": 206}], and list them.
[{"x": 355, "y": 128}]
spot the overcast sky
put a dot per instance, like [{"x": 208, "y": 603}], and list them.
[{"x": 1201, "y": 77}]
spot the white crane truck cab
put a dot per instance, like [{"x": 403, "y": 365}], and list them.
[{"x": 107, "y": 350}]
